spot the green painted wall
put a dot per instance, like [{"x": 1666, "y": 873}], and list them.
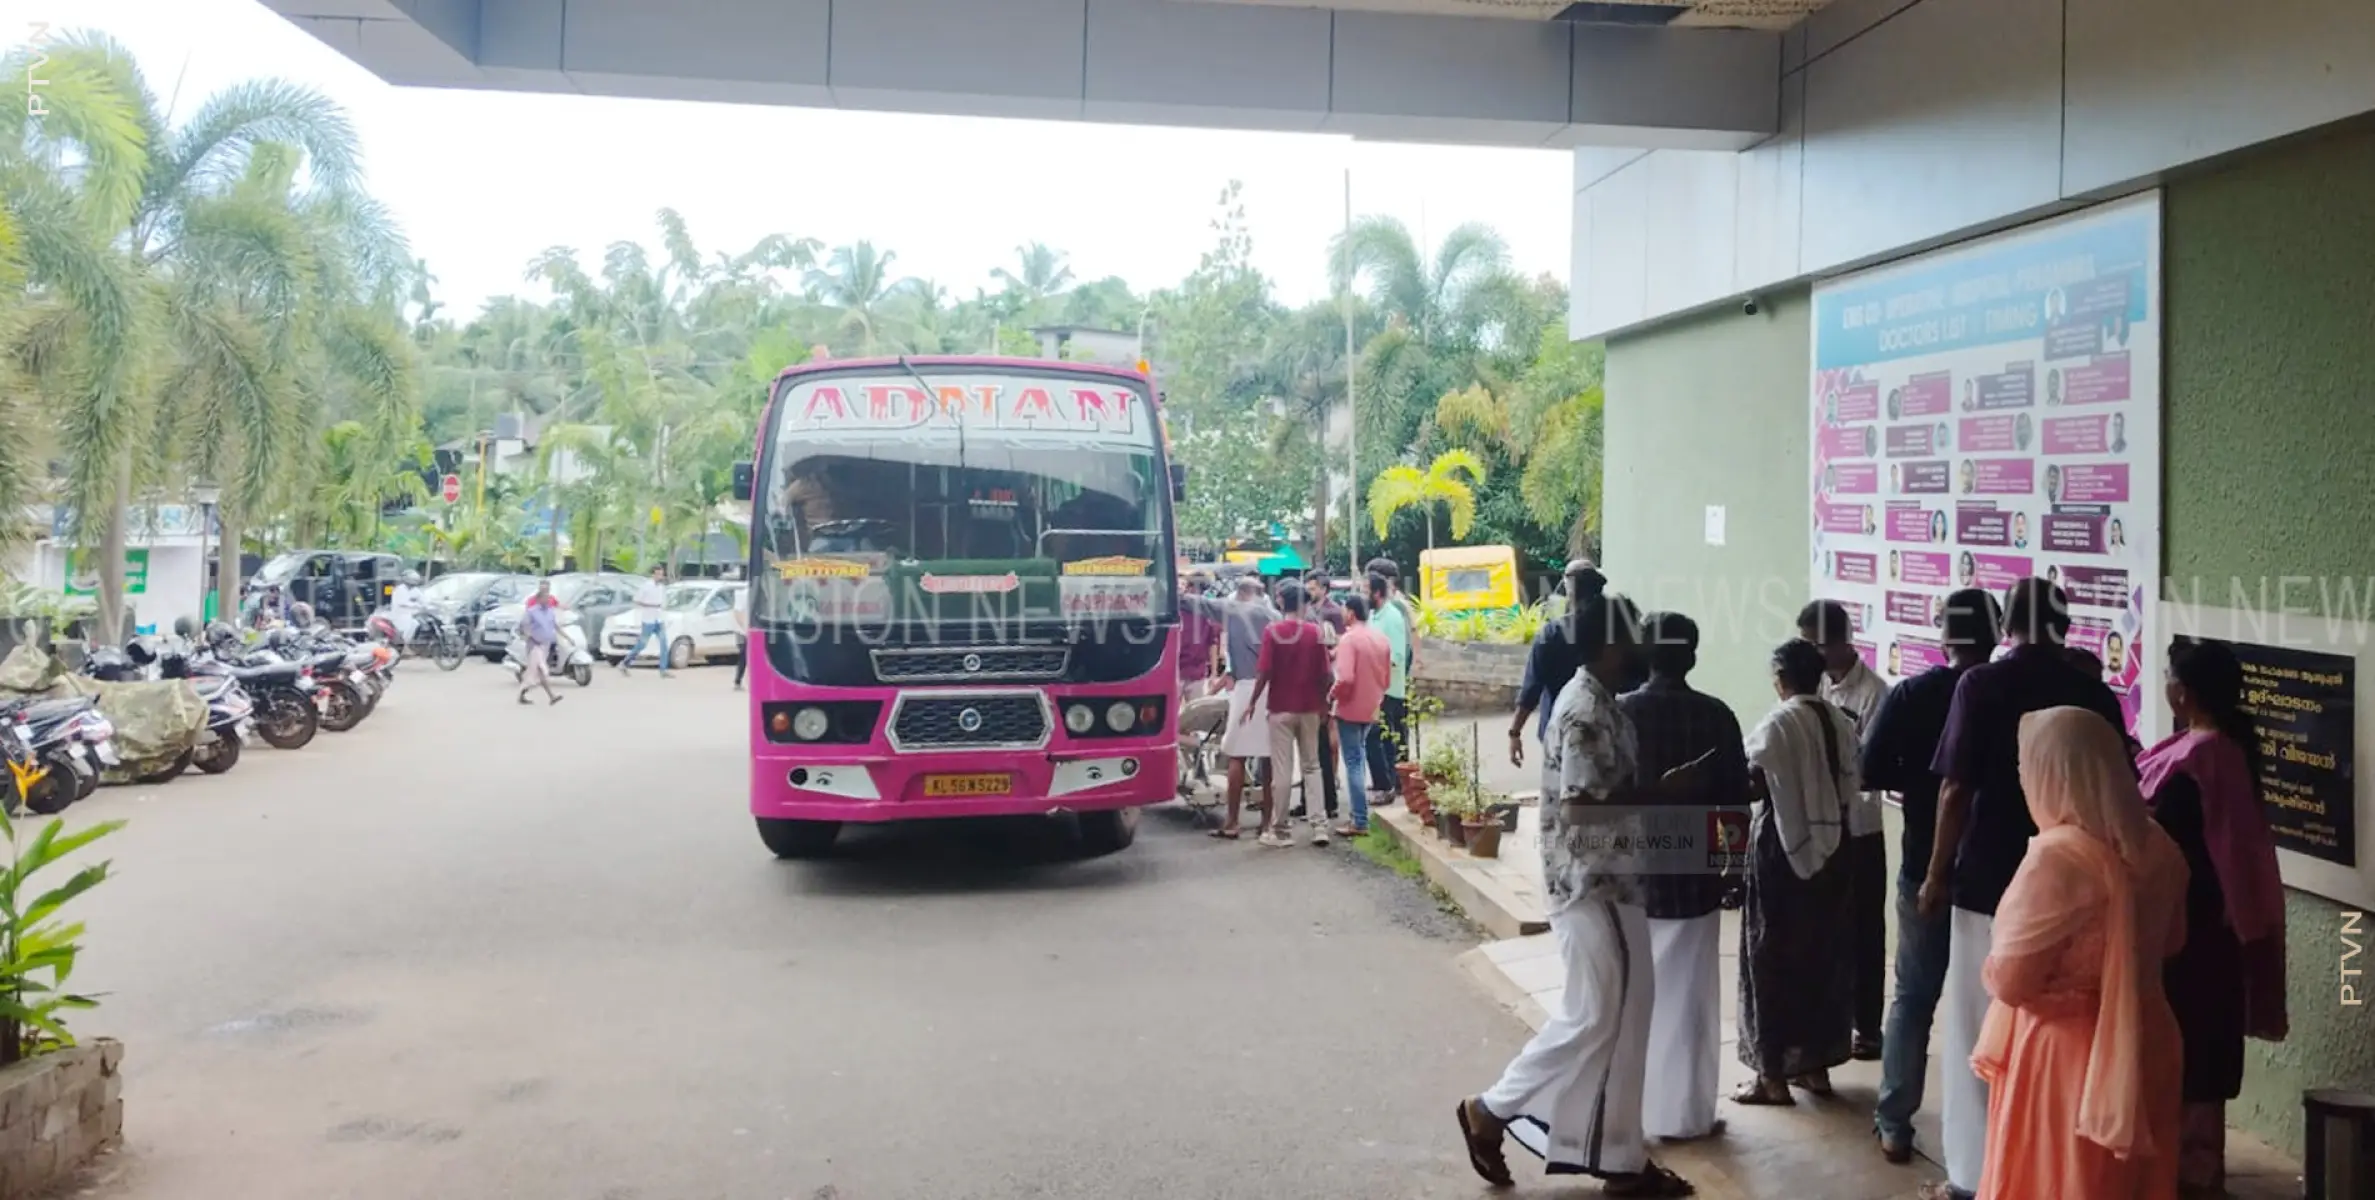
[
  {"x": 2269, "y": 271},
  {"x": 1712, "y": 410}
]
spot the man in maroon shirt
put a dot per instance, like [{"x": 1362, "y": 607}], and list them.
[{"x": 1294, "y": 672}]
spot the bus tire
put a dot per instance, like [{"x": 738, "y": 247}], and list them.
[
  {"x": 1109, "y": 830},
  {"x": 798, "y": 839}
]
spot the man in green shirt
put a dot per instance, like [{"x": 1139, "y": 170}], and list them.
[{"x": 1393, "y": 715}]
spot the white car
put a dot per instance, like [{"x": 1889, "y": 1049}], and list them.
[{"x": 698, "y": 625}]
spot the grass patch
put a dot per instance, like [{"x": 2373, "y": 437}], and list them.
[{"x": 1387, "y": 851}]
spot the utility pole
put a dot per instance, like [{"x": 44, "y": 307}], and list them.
[{"x": 1352, "y": 418}]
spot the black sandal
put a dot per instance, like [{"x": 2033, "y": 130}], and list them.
[
  {"x": 1817, "y": 1082},
  {"x": 1651, "y": 1180},
  {"x": 1484, "y": 1153}
]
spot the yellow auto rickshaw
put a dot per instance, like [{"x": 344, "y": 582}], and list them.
[{"x": 1469, "y": 579}]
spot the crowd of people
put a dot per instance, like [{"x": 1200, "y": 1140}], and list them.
[
  {"x": 2089, "y": 928},
  {"x": 1318, "y": 692}
]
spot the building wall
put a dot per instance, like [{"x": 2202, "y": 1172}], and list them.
[
  {"x": 2269, "y": 278},
  {"x": 1711, "y": 410},
  {"x": 1909, "y": 123},
  {"x": 2270, "y": 271}
]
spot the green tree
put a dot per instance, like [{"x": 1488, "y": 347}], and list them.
[
  {"x": 1451, "y": 480},
  {"x": 79, "y": 322},
  {"x": 857, "y": 286}
]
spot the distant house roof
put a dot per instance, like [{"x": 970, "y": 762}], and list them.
[{"x": 1069, "y": 330}]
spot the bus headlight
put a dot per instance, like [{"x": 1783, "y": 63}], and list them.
[
  {"x": 1079, "y": 718},
  {"x": 809, "y": 724},
  {"x": 1120, "y": 715}
]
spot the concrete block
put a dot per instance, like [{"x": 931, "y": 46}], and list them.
[
  {"x": 75, "y": 1070},
  {"x": 17, "y": 1136},
  {"x": 111, "y": 1055},
  {"x": 111, "y": 1125},
  {"x": 60, "y": 1119}
]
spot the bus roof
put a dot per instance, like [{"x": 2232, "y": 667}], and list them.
[{"x": 923, "y": 362}]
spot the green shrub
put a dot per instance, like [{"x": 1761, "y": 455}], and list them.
[{"x": 37, "y": 951}]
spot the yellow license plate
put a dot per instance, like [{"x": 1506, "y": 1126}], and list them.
[{"x": 968, "y": 785}]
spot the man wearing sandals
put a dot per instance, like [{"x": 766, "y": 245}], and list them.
[{"x": 1573, "y": 1095}]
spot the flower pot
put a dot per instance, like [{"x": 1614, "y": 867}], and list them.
[
  {"x": 1484, "y": 837},
  {"x": 1453, "y": 831},
  {"x": 1420, "y": 801}
]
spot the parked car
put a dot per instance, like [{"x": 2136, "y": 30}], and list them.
[
  {"x": 462, "y": 597},
  {"x": 594, "y": 598},
  {"x": 698, "y": 625}
]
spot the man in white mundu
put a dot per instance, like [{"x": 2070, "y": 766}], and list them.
[
  {"x": 1677, "y": 724},
  {"x": 1245, "y": 743},
  {"x": 1574, "y": 1094}
]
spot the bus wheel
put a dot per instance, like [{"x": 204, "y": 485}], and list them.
[
  {"x": 798, "y": 839},
  {"x": 1107, "y": 831}
]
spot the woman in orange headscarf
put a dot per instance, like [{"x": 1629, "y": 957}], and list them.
[{"x": 2081, "y": 1052}]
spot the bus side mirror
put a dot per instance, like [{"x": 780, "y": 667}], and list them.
[
  {"x": 1178, "y": 483},
  {"x": 742, "y": 481}
]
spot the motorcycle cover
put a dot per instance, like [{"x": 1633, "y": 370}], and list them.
[{"x": 155, "y": 722}]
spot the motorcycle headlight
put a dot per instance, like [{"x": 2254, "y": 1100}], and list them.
[
  {"x": 1079, "y": 718},
  {"x": 1120, "y": 715},
  {"x": 809, "y": 724}
]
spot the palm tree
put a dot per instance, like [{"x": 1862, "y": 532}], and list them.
[
  {"x": 857, "y": 285},
  {"x": 76, "y": 336},
  {"x": 1041, "y": 276},
  {"x": 1405, "y": 486},
  {"x": 1443, "y": 300},
  {"x": 181, "y": 276}
]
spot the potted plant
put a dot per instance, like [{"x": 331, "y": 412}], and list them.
[
  {"x": 41, "y": 1065},
  {"x": 1483, "y": 825},
  {"x": 1454, "y": 814}
]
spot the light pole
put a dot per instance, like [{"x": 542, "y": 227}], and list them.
[{"x": 206, "y": 496}]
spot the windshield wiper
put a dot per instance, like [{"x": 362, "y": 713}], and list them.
[{"x": 932, "y": 401}]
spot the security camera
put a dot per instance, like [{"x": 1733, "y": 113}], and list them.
[{"x": 1748, "y": 307}]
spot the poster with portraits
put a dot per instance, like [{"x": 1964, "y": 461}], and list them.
[{"x": 1990, "y": 412}]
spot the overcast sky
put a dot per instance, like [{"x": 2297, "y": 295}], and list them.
[{"x": 484, "y": 180}]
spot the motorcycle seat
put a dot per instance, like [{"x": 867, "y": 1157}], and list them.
[
  {"x": 266, "y": 673},
  {"x": 41, "y": 711}
]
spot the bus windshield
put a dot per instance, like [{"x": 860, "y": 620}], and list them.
[{"x": 996, "y": 497}]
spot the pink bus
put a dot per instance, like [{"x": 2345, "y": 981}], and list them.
[{"x": 963, "y": 599}]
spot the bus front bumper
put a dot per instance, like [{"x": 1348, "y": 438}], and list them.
[{"x": 874, "y": 787}]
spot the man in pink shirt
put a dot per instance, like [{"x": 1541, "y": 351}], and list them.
[{"x": 1364, "y": 667}]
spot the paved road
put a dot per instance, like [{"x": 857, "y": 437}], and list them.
[{"x": 474, "y": 950}]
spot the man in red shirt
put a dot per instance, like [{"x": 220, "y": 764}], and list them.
[{"x": 1294, "y": 672}]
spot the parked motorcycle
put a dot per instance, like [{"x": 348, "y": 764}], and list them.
[
  {"x": 286, "y": 716},
  {"x": 431, "y": 638},
  {"x": 70, "y": 738},
  {"x": 568, "y": 656}
]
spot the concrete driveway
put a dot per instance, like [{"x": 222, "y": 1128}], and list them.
[{"x": 478, "y": 950}]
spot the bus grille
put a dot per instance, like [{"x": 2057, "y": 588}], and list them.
[
  {"x": 1005, "y": 720},
  {"x": 987, "y": 664}
]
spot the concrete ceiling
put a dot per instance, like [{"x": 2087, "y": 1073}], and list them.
[
  {"x": 1719, "y": 14},
  {"x": 1403, "y": 70}
]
